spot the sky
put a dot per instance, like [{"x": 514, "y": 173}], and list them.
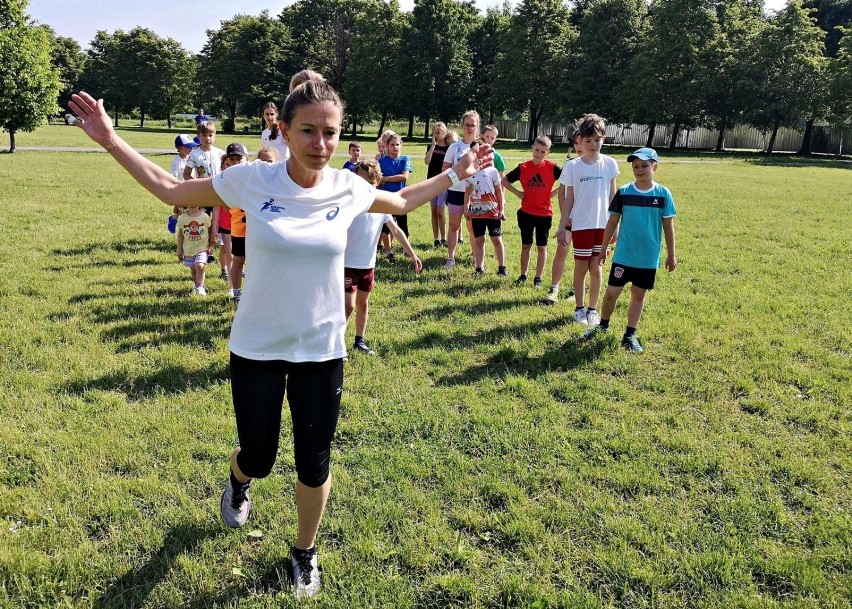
[{"x": 184, "y": 20}]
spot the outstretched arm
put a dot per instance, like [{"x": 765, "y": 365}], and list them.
[
  {"x": 156, "y": 180},
  {"x": 412, "y": 197}
]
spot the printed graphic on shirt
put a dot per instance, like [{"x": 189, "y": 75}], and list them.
[
  {"x": 271, "y": 207},
  {"x": 194, "y": 231},
  {"x": 536, "y": 182}
]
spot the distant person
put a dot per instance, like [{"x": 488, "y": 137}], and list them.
[
  {"x": 354, "y": 156},
  {"x": 271, "y": 136},
  {"x": 396, "y": 168},
  {"x": 590, "y": 187},
  {"x": 184, "y": 145},
  {"x": 205, "y": 161},
  {"x": 200, "y": 117},
  {"x": 236, "y": 154},
  {"x": 455, "y": 195},
  {"x": 434, "y": 160},
  {"x": 195, "y": 245},
  {"x": 643, "y": 209},
  {"x": 489, "y": 136},
  {"x": 535, "y": 216},
  {"x": 360, "y": 258}
]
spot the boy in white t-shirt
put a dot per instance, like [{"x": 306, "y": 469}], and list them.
[
  {"x": 205, "y": 161},
  {"x": 590, "y": 187},
  {"x": 360, "y": 256},
  {"x": 184, "y": 144}
]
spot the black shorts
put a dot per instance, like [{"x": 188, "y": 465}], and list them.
[
  {"x": 455, "y": 197},
  {"x": 224, "y": 231},
  {"x": 238, "y": 246},
  {"x": 620, "y": 275},
  {"x": 493, "y": 225},
  {"x": 529, "y": 224}
]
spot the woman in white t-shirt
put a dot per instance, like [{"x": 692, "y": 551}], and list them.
[
  {"x": 288, "y": 333},
  {"x": 455, "y": 195},
  {"x": 271, "y": 136}
]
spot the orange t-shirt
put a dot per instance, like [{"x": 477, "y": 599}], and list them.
[{"x": 238, "y": 222}]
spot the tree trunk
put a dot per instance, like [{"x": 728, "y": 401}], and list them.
[
  {"x": 384, "y": 120},
  {"x": 535, "y": 113},
  {"x": 771, "y": 143},
  {"x": 410, "y": 127},
  {"x": 720, "y": 141},
  {"x": 115, "y": 120},
  {"x": 675, "y": 133},
  {"x": 141, "y": 118},
  {"x": 11, "y": 141},
  {"x": 805, "y": 148},
  {"x": 652, "y": 128},
  {"x": 169, "y": 120},
  {"x": 354, "y": 127},
  {"x": 426, "y": 133}
]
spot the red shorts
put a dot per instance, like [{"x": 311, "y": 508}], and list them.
[
  {"x": 360, "y": 279},
  {"x": 587, "y": 243}
]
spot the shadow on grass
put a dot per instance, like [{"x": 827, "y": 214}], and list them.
[
  {"x": 798, "y": 162},
  {"x": 133, "y": 588},
  {"x": 165, "y": 379}
]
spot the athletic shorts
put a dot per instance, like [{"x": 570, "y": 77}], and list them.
[
  {"x": 620, "y": 275},
  {"x": 199, "y": 258},
  {"x": 224, "y": 231},
  {"x": 493, "y": 225},
  {"x": 455, "y": 198},
  {"x": 360, "y": 279},
  {"x": 238, "y": 246},
  {"x": 440, "y": 200},
  {"x": 529, "y": 224},
  {"x": 587, "y": 243}
]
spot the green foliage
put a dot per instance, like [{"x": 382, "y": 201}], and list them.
[
  {"x": 485, "y": 44},
  {"x": 535, "y": 60},
  {"x": 840, "y": 72},
  {"x": 69, "y": 60},
  {"x": 248, "y": 61},
  {"x": 29, "y": 84}
]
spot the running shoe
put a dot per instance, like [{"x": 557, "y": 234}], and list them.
[
  {"x": 537, "y": 283},
  {"x": 363, "y": 347},
  {"x": 444, "y": 243},
  {"x": 598, "y": 330},
  {"x": 235, "y": 505},
  {"x": 552, "y": 297},
  {"x": 450, "y": 263},
  {"x": 390, "y": 257},
  {"x": 593, "y": 318},
  {"x": 631, "y": 343},
  {"x": 501, "y": 272},
  {"x": 224, "y": 274},
  {"x": 580, "y": 316},
  {"x": 306, "y": 572},
  {"x": 479, "y": 271},
  {"x": 200, "y": 290},
  {"x": 437, "y": 243},
  {"x": 521, "y": 280}
]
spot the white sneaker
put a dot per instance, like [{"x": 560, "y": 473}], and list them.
[
  {"x": 450, "y": 263},
  {"x": 592, "y": 318},
  {"x": 200, "y": 290},
  {"x": 580, "y": 316},
  {"x": 306, "y": 573},
  {"x": 235, "y": 506}
]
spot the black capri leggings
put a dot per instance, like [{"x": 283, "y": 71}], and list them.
[
  {"x": 313, "y": 394},
  {"x": 401, "y": 222}
]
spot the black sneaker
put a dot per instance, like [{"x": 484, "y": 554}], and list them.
[
  {"x": 501, "y": 272},
  {"x": 363, "y": 347},
  {"x": 444, "y": 243},
  {"x": 631, "y": 343},
  {"x": 390, "y": 257},
  {"x": 306, "y": 572},
  {"x": 537, "y": 282},
  {"x": 521, "y": 280},
  {"x": 460, "y": 240},
  {"x": 437, "y": 243},
  {"x": 478, "y": 271}
]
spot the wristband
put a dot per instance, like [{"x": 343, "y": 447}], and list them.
[{"x": 454, "y": 177}]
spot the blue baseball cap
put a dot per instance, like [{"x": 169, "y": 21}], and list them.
[
  {"x": 185, "y": 140},
  {"x": 646, "y": 154}
]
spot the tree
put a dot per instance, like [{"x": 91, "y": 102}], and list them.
[
  {"x": 247, "y": 62},
  {"x": 533, "y": 63},
  {"x": 840, "y": 79},
  {"x": 102, "y": 73},
  {"x": 789, "y": 69},
  {"x": 29, "y": 85},
  {"x": 69, "y": 60},
  {"x": 609, "y": 37},
  {"x": 484, "y": 43}
]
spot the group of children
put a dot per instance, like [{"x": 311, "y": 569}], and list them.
[{"x": 593, "y": 214}]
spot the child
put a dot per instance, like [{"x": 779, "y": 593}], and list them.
[
  {"x": 483, "y": 205},
  {"x": 195, "y": 244},
  {"x": 360, "y": 257},
  {"x": 354, "y": 156},
  {"x": 434, "y": 160},
  {"x": 489, "y": 136},
  {"x": 380, "y": 146},
  {"x": 184, "y": 145},
  {"x": 642, "y": 208},
  {"x": 271, "y": 136},
  {"x": 235, "y": 154},
  {"x": 204, "y": 162},
  {"x": 535, "y": 216},
  {"x": 395, "y": 168},
  {"x": 268, "y": 155},
  {"x": 558, "y": 268},
  {"x": 590, "y": 187}
]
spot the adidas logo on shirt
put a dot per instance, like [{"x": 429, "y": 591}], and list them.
[{"x": 535, "y": 182}]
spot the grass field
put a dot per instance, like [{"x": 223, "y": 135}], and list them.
[{"x": 487, "y": 458}]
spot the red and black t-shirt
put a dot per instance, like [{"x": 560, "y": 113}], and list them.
[{"x": 537, "y": 183}]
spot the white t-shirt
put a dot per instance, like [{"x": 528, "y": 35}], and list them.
[
  {"x": 292, "y": 302},
  {"x": 362, "y": 239},
  {"x": 178, "y": 163},
  {"x": 206, "y": 163},
  {"x": 452, "y": 156},
  {"x": 278, "y": 143},
  {"x": 591, "y": 190}
]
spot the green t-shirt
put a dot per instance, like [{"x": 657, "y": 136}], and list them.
[{"x": 499, "y": 163}]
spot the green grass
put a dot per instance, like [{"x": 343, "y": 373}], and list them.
[{"x": 487, "y": 458}]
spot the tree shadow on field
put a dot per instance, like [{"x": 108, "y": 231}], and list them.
[
  {"x": 799, "y": 162},
  {"x": 131, "y": 246},
  {"x": 165, "y": 379},
  {"x": 133, "y": 588}
]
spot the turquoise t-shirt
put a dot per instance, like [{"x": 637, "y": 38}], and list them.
[{"x": 640, "y": 233}]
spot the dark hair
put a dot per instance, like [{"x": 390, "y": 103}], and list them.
[
  {"x": 313, "y": 91},
  {"x": 273, "y": 130},
  {"x": 591, "y": 125}
]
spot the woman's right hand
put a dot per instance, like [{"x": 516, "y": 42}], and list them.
[{"x": 92, "y": 118}]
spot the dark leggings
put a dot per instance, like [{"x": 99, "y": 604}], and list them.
[
  {"x": 313, "y": 394},
  {"x": 401, "y": 222}
]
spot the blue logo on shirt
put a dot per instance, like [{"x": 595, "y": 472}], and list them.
[
  {"x": 271, "y": 207},
  {"x": 333, "y": 213}
]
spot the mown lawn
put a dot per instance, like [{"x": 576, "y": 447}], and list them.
[{"x": 486, "y": 458}]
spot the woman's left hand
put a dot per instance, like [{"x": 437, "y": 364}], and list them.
[{"x": 475, "y": 159}]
